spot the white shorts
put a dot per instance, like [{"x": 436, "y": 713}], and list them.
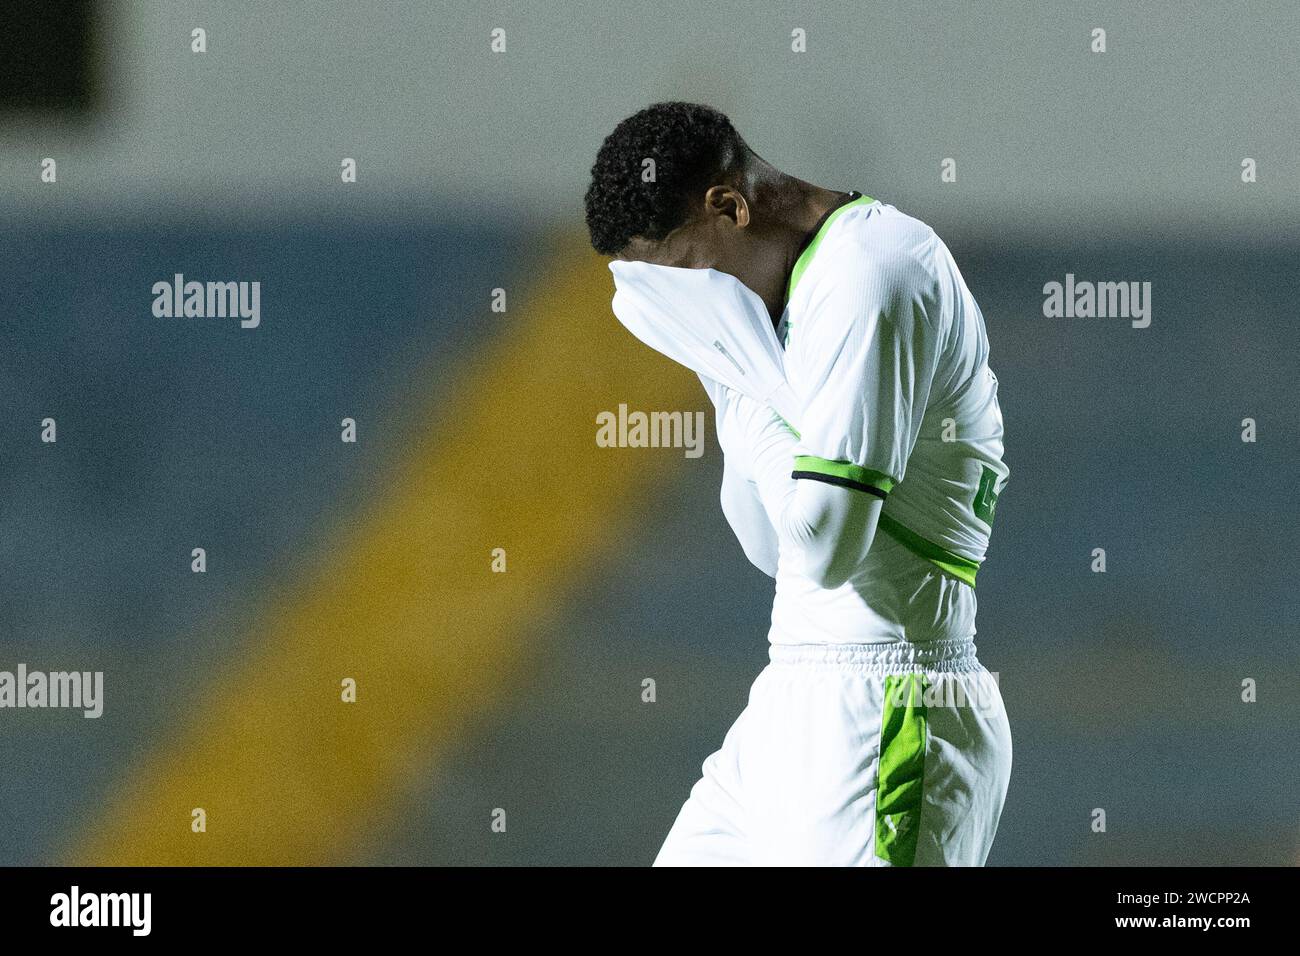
[{"x": 854, "y": 755}]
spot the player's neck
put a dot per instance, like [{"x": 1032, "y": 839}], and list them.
[{"x": 800, "y": 208}]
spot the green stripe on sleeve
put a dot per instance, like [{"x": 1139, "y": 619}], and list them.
[
  {"x": 900, "y": 775},
  {"x": 843, "y": 473}
]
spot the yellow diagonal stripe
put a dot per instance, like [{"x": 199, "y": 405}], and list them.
[{"x": 406, "y": 602}]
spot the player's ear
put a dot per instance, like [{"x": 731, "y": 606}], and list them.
[{"x": 727, "y": 201}]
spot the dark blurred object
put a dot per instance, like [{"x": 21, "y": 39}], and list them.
[{"x": 47, "y": 62}]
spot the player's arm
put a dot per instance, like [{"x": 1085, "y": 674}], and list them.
[
  {"x": 740, "y": 502},
  {"x": 868, "y": 386},
  {"x": 828, "y": 527},
  {"x": 744, "y": 512}
]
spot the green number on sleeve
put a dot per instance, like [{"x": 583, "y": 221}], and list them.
[{"x": 986, "y": 499}]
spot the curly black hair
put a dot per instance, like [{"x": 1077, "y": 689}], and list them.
[{"x": 692, "y": 147}]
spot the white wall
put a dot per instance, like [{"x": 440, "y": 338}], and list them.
[{"x": 1046, "y": 135}]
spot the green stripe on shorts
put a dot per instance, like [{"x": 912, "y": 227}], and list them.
[{"x": 900, "y": 779}]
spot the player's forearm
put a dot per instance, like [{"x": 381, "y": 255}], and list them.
[
  {"x": 748, "y": 519},
  {"x": 829, "y": 528}
]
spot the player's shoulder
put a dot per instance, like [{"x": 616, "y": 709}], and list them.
[
  {"x": 878, "y": 254},
  {"x": 880, "y": 239}
]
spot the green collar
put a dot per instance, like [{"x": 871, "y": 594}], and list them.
[{"x": 815, "y": 239}]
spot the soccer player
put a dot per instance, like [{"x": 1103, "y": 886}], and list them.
[{"x": 874, "y": 737}]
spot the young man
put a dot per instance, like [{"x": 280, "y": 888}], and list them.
[{"x": 862, "y": 463}]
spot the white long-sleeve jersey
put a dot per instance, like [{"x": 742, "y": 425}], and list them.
[{"x": 887, "y": 421}]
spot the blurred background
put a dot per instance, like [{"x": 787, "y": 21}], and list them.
[{"x": 372, "y": 561}]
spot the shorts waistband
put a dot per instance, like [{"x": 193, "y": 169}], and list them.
[{"x": 892, "y": 657}]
